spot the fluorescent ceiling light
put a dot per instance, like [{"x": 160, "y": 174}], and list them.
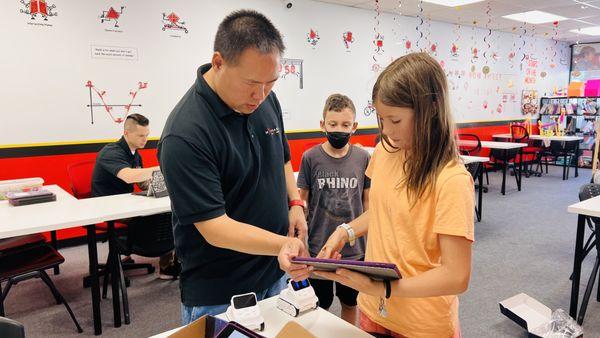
[
  {"x": 595, "y": 31},
  {"x": 452, "y": 3},
  {"x": 535, "y": 17}
]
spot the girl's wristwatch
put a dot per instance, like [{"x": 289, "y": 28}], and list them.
[{"x": 350, "y": 231}]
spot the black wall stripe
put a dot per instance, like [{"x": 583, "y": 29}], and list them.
[{"x": 95, "y": 147}]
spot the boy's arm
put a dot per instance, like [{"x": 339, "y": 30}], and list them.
[
  {"x": 304, "y": 194},
  {"x": 365, "y": 199}
]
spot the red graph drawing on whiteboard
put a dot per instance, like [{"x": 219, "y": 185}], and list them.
[{"x": 117, "y": 118}]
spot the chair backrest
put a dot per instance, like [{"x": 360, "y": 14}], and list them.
[
  {"x": 11, "y": 328},
  {"x": 469, "y": 144},
  {"x": 80, "y": 176},
  {"x": 557, "y": 147},
  {"x": 150, "y": 236},
  {"x": 504, "y": 155},
  {"x": 588, "y": 191},
  {"x": 474, "y": 169},
  {"x": 519, "y": 134}
]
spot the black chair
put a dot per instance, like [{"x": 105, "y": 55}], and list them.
[
  {"x": 27, "y": 257},
  {"x": 521, "y": 135},
  {"x": 147, "y": 236},
  {"x": 565, "y": 149},
  {"x": 470, "y": 145},
  {"x": 11, "y": 329},
  {"x": 588, "y": 191}
]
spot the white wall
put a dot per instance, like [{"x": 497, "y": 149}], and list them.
[{"x": 44, "y": 65}]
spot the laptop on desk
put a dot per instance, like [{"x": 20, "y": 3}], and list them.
[{"x": 157, "y": 187}]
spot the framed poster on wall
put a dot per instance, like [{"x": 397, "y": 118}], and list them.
[
  {"x": 585, "y": 62},
  {"x": 529, "y": 102}
]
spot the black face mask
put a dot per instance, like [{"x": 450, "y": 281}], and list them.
[{"x": 338, "y": 139}]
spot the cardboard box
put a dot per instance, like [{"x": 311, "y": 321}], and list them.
[
  {"x": 203, "y": 327},
  {"x": 592, "y": 87},
  {"x": 210, "y": 327},
  {"x": 576, "y": 89},
  {"x": 527, "y": 312}
]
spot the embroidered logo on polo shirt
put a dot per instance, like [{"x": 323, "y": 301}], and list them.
[{"x": 271, "y": 131}]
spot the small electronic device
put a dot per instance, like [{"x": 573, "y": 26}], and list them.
[
  {"x": 244, "y": 310},
  {"x": 156, "y": 188},
  {"x": 298, "y": 297},
  {"x": 375, "y": 270}
]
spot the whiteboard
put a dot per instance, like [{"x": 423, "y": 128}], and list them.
[{"x": 46, "y": 64}]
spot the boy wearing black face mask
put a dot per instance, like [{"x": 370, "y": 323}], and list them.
[{"x": 332, "y": 181}]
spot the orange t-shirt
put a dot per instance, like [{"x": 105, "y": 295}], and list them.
[{"x": 408, "y": 237}]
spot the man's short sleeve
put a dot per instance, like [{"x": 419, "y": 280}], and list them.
[
  {"x": 114, "y": 161},
  {"x": 455, "y": 207},
  {"x": 286, "y": 147},
  {"x": 304, "y": 176},
  {"x": 193, "y": 180}
]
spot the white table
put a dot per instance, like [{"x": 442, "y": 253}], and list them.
[
  {"x": 68, "y": 212},
  {"x": 320, "y": 323},
  {"x": 544, "y": 138},
  {"x": 589, "y": 207}
]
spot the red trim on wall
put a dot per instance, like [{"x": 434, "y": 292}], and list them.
[{"x": 53, "y": 169}]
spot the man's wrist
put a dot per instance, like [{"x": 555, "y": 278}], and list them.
[{"x": 296, "y": 203}]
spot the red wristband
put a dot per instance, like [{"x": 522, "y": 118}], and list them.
[{"x": 296, "y": 202}]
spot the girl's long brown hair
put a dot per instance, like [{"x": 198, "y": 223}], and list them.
[{"x": 417, "y": 81}]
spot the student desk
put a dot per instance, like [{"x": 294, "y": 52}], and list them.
[
  {"x": 320, "y": 323},
  {"x": 547, "y": 140},
  {"x": 68, "y": 212},
  {"x": 590, "y": 207}
]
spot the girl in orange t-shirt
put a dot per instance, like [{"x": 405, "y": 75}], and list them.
[{"x": 421, "y": 207}]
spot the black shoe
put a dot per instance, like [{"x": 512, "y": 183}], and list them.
[{"x": 171, "y": 272}]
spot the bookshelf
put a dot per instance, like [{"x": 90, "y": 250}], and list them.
[{"x": 580, "y": 115}]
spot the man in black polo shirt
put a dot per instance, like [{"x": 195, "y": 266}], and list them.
[
  {"x": 226, "y": 162},
  {"x": 119, "y": 166}
]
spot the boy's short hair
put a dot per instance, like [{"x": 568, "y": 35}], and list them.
[
  {"x": 135, "y": 120},
  {"x": 338, "y": 102}
]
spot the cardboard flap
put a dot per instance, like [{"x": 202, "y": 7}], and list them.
[
  {"x": 526, "y": 311},
  {"x": 294, "y": 330},
  {"x": 203, "y": 327}
]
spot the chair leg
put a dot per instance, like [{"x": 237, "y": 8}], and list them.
[
  {"x": 107, "y": 277},
  {"x": 123, "y": 286},
  {"x": 3, "y": 295},
  {"x": 54, "y": 242},
  {"x": 487, "y": 177},
  {"x": 588, "y": 292},
  {"x": 48, "y": 282},
  {"x": 1, "y": 302},
  {"x": 42, "y": 274}
]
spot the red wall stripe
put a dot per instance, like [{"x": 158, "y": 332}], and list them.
[{"x": 53, "y": 169}]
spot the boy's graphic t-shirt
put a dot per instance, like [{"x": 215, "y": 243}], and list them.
[{"x": 336, "y": 190}]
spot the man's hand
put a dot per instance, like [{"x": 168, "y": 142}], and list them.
[
  {"x": 298, "y": 227},
  {"x": 294, "y": 248}
]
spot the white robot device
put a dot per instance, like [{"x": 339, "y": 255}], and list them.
[
  {"x": 244, "y": 310},
  {"x": 299, "y": 296}
]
